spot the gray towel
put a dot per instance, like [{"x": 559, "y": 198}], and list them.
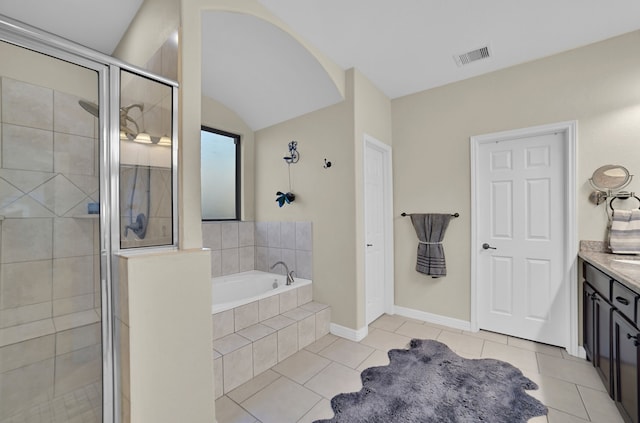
[
  {"x": 430, "y": 229},
  {"x": 624, "y": 232}
]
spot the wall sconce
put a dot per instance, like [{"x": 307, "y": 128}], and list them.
[
  {"x": 289, "y": 197},
  {"x": 164, "y": 141},
  {"x": 143, "y": 138},
  {"x": 293, "y": 156}
]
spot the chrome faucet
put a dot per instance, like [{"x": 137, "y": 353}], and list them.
[{"x": 290, "y": 279}]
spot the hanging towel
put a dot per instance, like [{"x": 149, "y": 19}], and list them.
[
  {"x": 624, "y": 233},
  {"x": 430, "y": 229}
]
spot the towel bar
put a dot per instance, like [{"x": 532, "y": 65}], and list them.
[
  {"x": 622, "y": 197},
  {"x": 403, "y": 214}
]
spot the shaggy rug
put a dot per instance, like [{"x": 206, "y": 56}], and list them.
[{"x": 430, "y": 383}]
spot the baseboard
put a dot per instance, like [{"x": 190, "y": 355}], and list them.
[
  {"x": 433, "y": 318},
  {"x": 348, "y": 333},
  {"x": 581, "y": 352}
]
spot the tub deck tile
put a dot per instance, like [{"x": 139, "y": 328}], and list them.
[
  {"x": 257, "y": 348},
  {"x": 313, "y": 306},
  {"x": 255, "y": 332},
  {"x": 297, "y": 314},
  {"x": 279, "y": 322},
  {"x": 230, "y": 343}
]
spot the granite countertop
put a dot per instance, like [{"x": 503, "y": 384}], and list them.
[{"x": 626, "y": 273}]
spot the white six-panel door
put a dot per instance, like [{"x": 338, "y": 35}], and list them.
[{"x": 520, "y": 204}]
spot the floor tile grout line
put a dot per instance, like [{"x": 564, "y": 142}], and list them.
[
  {"x": 252, "y": 395},
  {"x": 586, "y": 410},
  {"x": 482, "y": 351}
]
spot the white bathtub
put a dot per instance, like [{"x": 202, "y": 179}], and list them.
[{"x": 243, "y": 288}]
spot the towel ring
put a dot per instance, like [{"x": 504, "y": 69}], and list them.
[{"x": 620, "y": 197}]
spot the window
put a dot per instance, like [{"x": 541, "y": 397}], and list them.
[{"x": 220, "y": 173}]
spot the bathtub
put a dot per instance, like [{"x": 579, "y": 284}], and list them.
[{"x": 238, "y": 289}]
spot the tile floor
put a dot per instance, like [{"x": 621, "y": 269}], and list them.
[
  {"x": 83, "y": 405},
  {"x": 299, "y": 388}
]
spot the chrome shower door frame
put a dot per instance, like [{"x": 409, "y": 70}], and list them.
[{"x": 108, "y": 69}]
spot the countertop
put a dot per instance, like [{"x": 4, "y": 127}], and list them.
[{"x": 627, "y": 273}]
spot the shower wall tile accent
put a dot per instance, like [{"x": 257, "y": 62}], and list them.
[
  {"x": 242, "y": 246},
  {"x": 27, "y": 148},
  {"x": 71, "y": 119},
  {"x": 27, "y": 104},
  {"x": 159, "y": 229},
  {"x": 49, "y": 268}
]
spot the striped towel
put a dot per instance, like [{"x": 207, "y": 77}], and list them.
[
  {"x": 624, "y": 233},
  {"x": 430, "y": 229}
]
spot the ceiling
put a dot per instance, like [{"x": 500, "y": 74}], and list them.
[
  {"x": 402, "y": 46},
  {"x": 97, "y": 24}
]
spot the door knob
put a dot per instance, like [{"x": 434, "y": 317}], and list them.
[
  {"x": 369, "y": 245},
  {"x": 488, "y": 247}
]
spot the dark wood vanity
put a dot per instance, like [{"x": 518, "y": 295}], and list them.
[{"x": 611, "y": 338}]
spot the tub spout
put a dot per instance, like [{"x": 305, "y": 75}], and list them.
[{"x": 290, "y": 279}]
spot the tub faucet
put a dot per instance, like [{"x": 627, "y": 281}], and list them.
[{"x": 290, "y": 279}]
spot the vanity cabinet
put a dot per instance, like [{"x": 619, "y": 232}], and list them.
[
  {"x": 626, "y": 351},
  {"x": 597, "y": 333},
  {"x": 611, "y": 338}
]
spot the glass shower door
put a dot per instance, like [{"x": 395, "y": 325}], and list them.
[{"x": 51, "y": 351}]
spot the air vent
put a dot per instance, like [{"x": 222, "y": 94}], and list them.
[{"x": 472, "y": 56}]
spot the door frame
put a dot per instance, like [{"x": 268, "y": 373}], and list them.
[
  {"x": 570, "y": 282},
  {"x": 371, "y": 142}
]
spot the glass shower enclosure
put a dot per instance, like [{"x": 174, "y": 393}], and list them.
[{"x": 80, "y": 183}]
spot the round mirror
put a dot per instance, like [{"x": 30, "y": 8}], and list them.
[{"x": 610, "y": 178}]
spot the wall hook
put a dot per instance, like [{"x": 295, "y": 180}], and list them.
[{"x": 327, "y": 164}]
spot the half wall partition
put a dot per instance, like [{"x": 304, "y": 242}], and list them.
[{"x": 88, "y": 158}]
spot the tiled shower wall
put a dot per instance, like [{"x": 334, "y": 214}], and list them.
[
  {"x": 49, "y": 267},
  {"x": 152, "y": 184},
  {"x": 242, "y": 246}
]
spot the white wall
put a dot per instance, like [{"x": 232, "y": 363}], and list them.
[
  {"x": 170, "y": 337},
  {"x": 155, "y": 22},
  {"x": 597, "y": 85},
  {"x": 330, "y": 198},
  {"x": 326, "y": 197},
  {"x": 170, "y": 293}
]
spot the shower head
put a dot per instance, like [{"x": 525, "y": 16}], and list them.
[
  {"x": 90, "y": 107},
  {"x": 125, "y": 119}
]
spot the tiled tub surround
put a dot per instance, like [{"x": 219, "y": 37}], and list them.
[
  {"x": 49, "y": 267},
  {"x": 242, "y": 246},
  {"x": 254, "y": 337}
]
